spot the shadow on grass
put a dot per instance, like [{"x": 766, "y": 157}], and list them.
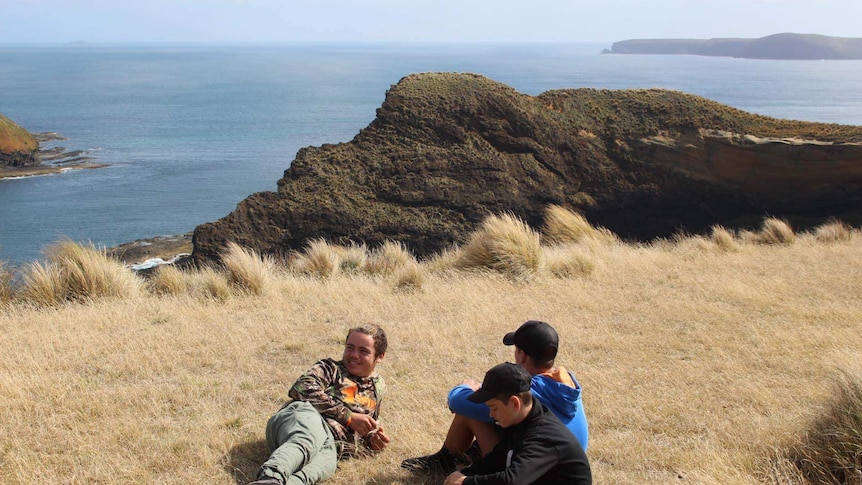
[{"x": 244, "y": 459}]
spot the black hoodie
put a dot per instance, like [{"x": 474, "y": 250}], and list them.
[{"x": 538, "y": 450}]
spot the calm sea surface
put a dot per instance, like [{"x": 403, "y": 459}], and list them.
[{"x": 189, "y": 131}]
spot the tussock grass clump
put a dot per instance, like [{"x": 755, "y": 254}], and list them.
[
  {"x": 723, "y": 239},
  {"x": 5, "y": 284},
  {"x": 444, "y": 260},
  {"x": 831, "y": 450},
  {"x": 564, "y": 226},
  {"x": 89, "y": 273},
  {"x": 776, "y": 231},
  {"x": 168, "y": 280},
  {"x": 319, "y": 259},
  {"x": 388, "y": 258},
  {"x": 568, "y": 261},
  {"x": 833, "y": 231},
  {"x": 247, "y": 270},
  {"x": 43, "y": 284},
  {"x": 212, "y": 284},
  {"x": 75, "y": 272},
  {"x": 352, "y": 258},
  {"x": 409, "y": 277},
  {"x": 505, "y": 244}
]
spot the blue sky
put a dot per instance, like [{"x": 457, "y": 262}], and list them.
[{"x": 35, "y": 21}]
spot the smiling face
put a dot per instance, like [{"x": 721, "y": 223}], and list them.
[{"x": 359, "y": 354}]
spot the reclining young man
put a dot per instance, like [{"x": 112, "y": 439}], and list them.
[
  {"x": 473, "y": 432},
  {"x": 332, "y": 413}
]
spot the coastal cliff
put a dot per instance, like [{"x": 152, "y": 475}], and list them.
[
  {"x": 445, "y": 150},
  {"x": 777, "y": 46},
  {"x": 18, "y": 148}
]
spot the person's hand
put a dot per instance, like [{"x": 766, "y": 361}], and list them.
[
  {"x": 362, "y": 424},
  {"x": 378, "y": 440},
  {"x": 455, "y": 478},
  {"x": 471, "y": 384}
]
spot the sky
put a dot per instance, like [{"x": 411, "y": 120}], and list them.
[{"x": 111, "y": 21}]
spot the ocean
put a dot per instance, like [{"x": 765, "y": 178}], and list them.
[{"x": 189, "y": 131}]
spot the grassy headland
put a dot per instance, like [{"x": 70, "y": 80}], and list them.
[
  {"x": 703, "y": 360},
  {"x": 14, "y": 139}
]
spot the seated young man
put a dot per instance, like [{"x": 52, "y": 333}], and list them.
[
  {"x": 332, "y": 412},
  {"x": 534, "y": 446},
  {"x": 536, "y": 345}
]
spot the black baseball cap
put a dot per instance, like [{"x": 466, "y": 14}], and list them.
[
  {"x": 538, "y": 339},
  {"x": 505, "y": 378}
]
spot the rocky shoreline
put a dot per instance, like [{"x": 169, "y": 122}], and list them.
[
  {"x": 145, "y": 254},
  {"x": 52, "y": 160}
]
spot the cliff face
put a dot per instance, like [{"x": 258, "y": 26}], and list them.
[
  {"x": 18, "y": 148},
  {"x": 448, "y": 149},
  {"x": 777, "y": 46}
]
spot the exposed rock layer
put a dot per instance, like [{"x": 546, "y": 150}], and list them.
[{"x": 448, "y": 149}]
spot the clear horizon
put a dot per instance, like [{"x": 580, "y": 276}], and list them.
[{"x": 420, "y": 21}]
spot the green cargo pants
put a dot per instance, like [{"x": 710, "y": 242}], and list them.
[{"x": 302, "y": 448}]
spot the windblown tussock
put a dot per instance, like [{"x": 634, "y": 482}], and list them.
[
  {"x": 505, "y": 244},
  {"x": 564, "y": 226},
  {"x": 247, "y": 270}
]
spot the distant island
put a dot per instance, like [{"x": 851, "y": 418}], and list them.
[{"x": 778, "y": 46}]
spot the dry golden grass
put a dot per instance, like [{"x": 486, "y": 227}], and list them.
[
  {"x": 75, "y": 272},
  {"x": 831, "y": 449},
  {"x": 723, "y": 239},
  {"x": 505, "y": 244},
  {"x": 5, "y": 284},
  {"x": 352, "y": 258},
  {"x": 319, "y": 259},
  {"x": 696, "y": 363},
  {"x": 247, "y": 270},
  {"x": 168, "y": 280},
  {"x": 569, "y": 260},
  {"x": 410, "y": 277},
  {"x": 773, "y": 231},
  {"x": 388, "y": 258},
  {"x": 833, "y": 231},
  {"x": 565, "y": 226}
]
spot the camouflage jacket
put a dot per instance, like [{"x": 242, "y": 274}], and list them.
[{"x": 336, "y": 394}]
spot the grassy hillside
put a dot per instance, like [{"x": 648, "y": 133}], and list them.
[
  {"x": 13, "y": 138},
  {"x": 703, "y": 360}
]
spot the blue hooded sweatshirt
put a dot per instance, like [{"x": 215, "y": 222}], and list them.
[{"x": 562, "y": 399}]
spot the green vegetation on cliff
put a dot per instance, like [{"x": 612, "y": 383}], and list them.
[
  {"x": 446, "y": 149},
  {"x": 17, "y": 146}
]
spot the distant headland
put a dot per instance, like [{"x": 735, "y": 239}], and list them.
[
  {"x": 779, "y": 46},
  {"x": 447, "y": 149},
  {"x": 21, "y": 154}
]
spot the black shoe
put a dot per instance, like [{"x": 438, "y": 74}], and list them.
[
  {"x": 443, "y": 462},
  {"x": 473, "y": 453}
]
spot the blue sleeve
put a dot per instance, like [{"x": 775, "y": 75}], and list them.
[{"x": 459, "y": 404}]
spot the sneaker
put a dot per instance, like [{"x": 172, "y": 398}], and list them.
[
  {"x": 473, "y": 453},
  {"x": 443, "y": 462},
  {"x": 265, "y": 481}
]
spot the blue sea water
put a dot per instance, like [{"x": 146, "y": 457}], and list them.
[{"x": 191, "y": 130}]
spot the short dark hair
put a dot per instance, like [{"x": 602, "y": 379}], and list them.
[
  {"x": 523, "y": 396},
  {"x": 540, "y": 363},
  {"x": 376, "y": 333}
]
